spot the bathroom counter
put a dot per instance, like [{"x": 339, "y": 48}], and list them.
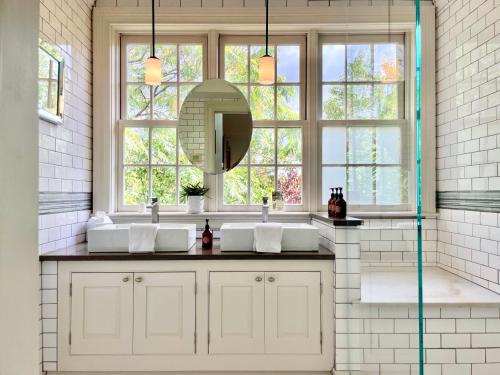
[
  {"x": 80, "y": 253},
  {"x": 349, "y": 221}
]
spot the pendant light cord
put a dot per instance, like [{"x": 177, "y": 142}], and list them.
[
  {"x": 153, "y": 25},
  {"x": 267, "y": 26}
]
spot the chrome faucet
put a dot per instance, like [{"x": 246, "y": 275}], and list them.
[
  {"x": 265, "y": 209},
  {"x": 155, "y": 210}
]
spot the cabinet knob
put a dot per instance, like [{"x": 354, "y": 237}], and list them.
[
  {"x": 138, "y": 279},
  {"x": 125, "y": 279},
  {"x": 271, "y": 279},
  {"x": 258, "y": 279}
]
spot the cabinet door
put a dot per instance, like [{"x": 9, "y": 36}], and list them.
[
  {"x": 101, "y": 313},
  {"x": 236, "y": 312},
  {"x": 164, "y": 313},
  {"x": 293, "y": 312}
]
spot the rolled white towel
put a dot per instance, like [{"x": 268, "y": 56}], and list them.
[
  {"x": 267, "y": 237},
  {"x": 142, "y": 238}
]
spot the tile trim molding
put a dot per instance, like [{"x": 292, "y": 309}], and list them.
[
  {"x": 483, "y": 201},
  {"x": 55, "y": 202}
]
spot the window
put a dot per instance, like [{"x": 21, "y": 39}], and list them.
[
  {"x": 275, "y": 158},
  {"x": 152, "y": 163},
  {"x": 363, "y": 128}
]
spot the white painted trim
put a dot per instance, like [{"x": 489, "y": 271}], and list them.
[{"x": 110, "y": 22}]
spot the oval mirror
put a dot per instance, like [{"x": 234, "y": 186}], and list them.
[{"x": 215, "y": 126}]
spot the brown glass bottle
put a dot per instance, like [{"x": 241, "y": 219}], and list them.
[
  {"x": 207, "y": 238},
  {"x": 340, "y": 207},
  {"x": 331, "y": 204}
]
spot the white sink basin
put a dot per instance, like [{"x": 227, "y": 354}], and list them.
[
  {"x": 296, "y": 237},
  {"x": 114, "y": 238}
]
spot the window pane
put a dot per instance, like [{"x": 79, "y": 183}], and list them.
[
  {"x": 191, "y": 63},
  {"x": 386, "y": 101},
  {"x": 236, "y": 63},
  {"x": 333, "y": 62},
  {"x": 334, "y": 145},
  {"x": 135, "y": 185},
  {"x": 360, "y": 182},
  {"x": 359, "y": 102},
  {"x": 138, "y": 102},
  {"x": 262, "y": 146},
  {"x": 388, "y": 145},
  {"x": 333, "y": 102},
  {"x": 288, "y": 68},
  {"x": 288, "y": 102},
  {"x": 359, "y": 65},
  {"x": 164, "y": 184},
  {"x": 360, "y": 149},
  {"x": 183, "y": 93},
  {"x": 262, "y": 183},
  {"x": 391, "y": 186},
  {"x": 388, "y": 62},
  {"x": 167, "y": 53},
  {"x": 290, "y": 184},
  {"x": 189, "y": 175},
  {"x": 165, "y": 103},
  {"x": 235, "y": 186},
  {"x": 136, "y": 54},
  {"x": 289, "y": 146},
  {"x": 135, "y": 145},
  {"x": 256, "y": 52},
  {"x": 163, "y": 147},
  {"x": 182, "y": 157},
  {"x": 262, "y": 102},
  {"x": 332, "y": 177}
]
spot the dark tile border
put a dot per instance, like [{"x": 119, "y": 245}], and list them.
[
  {"x": 483, "y": 201},
  {"x": 55, "y": 202}
]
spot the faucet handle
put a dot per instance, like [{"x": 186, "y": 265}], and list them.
[{"x": 154, "y": 200}]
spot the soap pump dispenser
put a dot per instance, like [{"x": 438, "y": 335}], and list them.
[
  {"x": 331, "y": 204},
  {"x": 207, "y": 238},
  {"x": 341, "y": 206}
]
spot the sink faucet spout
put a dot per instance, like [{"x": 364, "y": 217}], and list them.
[{"x": 155, "y": 210}]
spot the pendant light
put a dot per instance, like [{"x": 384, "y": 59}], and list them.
[
  {"x": 152, "y": 74},
  {"x": 266, "y": 63}
]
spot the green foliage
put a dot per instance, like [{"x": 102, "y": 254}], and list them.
[{"x": 196, "y": 189}]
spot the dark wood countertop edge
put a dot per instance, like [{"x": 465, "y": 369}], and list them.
[{"x": 347, "y": 222}]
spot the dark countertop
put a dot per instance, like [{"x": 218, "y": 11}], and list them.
[
  {"x": 79, "y": 253},
  {"x": 347, "y": 222}
]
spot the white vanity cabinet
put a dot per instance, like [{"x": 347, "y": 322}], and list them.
[
  {"x": 265, "y": 312},
  {"x": 132, "y": 313},
  {"x": 195, "y": 316}
]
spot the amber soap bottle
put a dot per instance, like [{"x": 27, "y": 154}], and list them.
[
  {"x": 207, "y": 238},
  {"x": 331, "y": 204},
  {"x": 341, "y": 207}
]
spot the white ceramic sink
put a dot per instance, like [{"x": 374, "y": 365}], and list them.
[
  {"x": 296, "y": 237},
  {"x": 114, "y": 238}
]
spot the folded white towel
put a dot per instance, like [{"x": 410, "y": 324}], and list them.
[
  {"x": 142, "y": 238},
  {"x": 267, "y": 237}
]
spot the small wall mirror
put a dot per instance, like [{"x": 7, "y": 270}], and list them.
[
  {"x": 50, "y": 85},
  {"x": 215, "y": 126}
]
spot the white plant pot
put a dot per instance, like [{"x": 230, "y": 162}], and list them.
[{"x": 195, "y": 204}]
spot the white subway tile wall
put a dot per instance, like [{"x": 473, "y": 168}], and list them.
[
  {"x": 65, "y": 151},
  {"x": 468, "y": 134}
]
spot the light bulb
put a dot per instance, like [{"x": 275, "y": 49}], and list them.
[
  {"x": 266, "y": 70},
  {"x": 152, "y": 74}
]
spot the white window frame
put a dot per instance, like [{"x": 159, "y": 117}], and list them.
[
  {"x": 303, "y": 123},
  {"x": 109, "y": 23},
  {"x": 403, "y": 122},
  {"x": 149, "y": 124}
]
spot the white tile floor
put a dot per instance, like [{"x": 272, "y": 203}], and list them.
[{"x": 399, "y": 285}]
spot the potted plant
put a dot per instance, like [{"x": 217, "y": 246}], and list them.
[{"x": 195, "y": 195}]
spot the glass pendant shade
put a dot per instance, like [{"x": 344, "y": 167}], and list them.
[
  {"x": 266, "y": 70},
  {"x": 152, "y": 75}
]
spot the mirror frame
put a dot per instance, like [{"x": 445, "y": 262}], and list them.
[{"x": 58, "y": 117}]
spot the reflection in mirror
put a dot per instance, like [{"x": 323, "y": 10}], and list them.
[
  {"x": 50, "y": 85},
  {"x": 215, "y": 126}
]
